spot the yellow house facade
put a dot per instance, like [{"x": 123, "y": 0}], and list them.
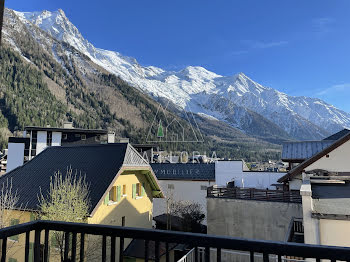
[{"x": 121, "y": 193}]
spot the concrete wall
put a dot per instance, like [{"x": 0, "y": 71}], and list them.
[
  {"x": 335, "y": 232},
  {"x": 15, "y": 156},
  {"x": 250, "y": 219},
  {"x": 183, "y": 190}
]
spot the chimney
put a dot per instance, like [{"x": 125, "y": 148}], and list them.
[
  {"x": 68, "y": 125},
  {"x": 124, "y": 140},
  {"x": 111, "y": 137}
]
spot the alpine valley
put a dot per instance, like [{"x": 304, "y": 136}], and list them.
[{"x": 61, "y": 76}]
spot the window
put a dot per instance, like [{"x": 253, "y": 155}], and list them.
[
  {"x": 77, "y": 135},
  {"x": 12, "y": 259},
  {"x": 138, "y": 190},
  {"x": 49, "y": 138},
  {"x": 64, "y": 136},
  {"x": 34, "y": 142},
  {"x": 98, "y": 137},
  {"x": 124, "y": 190},
  {"x": 123, "y": 221},
  {"x": 83, "y": 137},
  {"x": 204, "y": 187},
  {"x": 112, "y": 194},
  {"x": 12, "y": 223},
  {"x": 171, "y": 186}
]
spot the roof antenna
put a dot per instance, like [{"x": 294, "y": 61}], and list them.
[{"x": 2, "y": 8}]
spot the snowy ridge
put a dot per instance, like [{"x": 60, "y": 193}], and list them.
[{"x": 197, "y": 89}]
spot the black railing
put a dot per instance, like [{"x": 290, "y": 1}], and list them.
[
  {"x": 254, "y": 194},
  {"x": 109, "y": 234},
  {"x": 295, "y": 231}
]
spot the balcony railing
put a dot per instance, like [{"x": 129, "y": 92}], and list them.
[
  {"x": 254, "y": 194},
  {"x": 76, "y": 234}
]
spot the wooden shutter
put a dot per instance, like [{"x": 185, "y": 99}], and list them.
[
  {"x": 119, "y": 189},
  {"x": 143, "y": 189},
  {"x": 107, "y": 199},
  {"x": 133, "y": 191},
  {"x": 32, "y": 216}
]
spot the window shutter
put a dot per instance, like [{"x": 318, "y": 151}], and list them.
[
  {"x": 32, "y": 216},
  {"x": 107, "y": 199},
  {"x": 118, "y": 193},
  {"x": 143, "y": 189},
  {"x": 31, "y": 252},
  {"x": 12, "y": 259},
  {"x": 13, "y": 223},
  {"x": 133, "y": 191}
]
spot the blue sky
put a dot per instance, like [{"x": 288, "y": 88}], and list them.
[{"x": 296, "y": 46}]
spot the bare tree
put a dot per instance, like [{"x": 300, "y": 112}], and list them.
[
  {"x": 8, "y": 202},
  {"x": 191, "y": 214},
  {"x": 67, "y": 200}
]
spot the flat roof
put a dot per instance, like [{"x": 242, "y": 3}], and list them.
[{"x": 66, "y": 130}]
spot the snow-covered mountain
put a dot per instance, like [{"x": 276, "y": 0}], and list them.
[{"x": 233, "y": 99}]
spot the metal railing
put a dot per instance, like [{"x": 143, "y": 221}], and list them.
[
  {"x": 75, "y": 232},
  {"x": 295, "y": 231},
  {"x": 254, "y": 194}
]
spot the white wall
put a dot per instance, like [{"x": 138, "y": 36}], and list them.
[
  {"x": 15, "y": 156},
  {"x": 226, "y": 171},
  {"x": 338, "y": 160},
  {"x": 261, "y": 180},
  {"x": 41, "y": 141},
  {"x": 56, "y": 138},
  {"x": 184, "y": 190}
]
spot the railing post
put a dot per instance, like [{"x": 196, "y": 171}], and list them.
[
  {"x": 37, "y": 245},
  {"x": 3, "y": 249},
  {"x": 66, "y": 245},
  {"x": 121, "y": 249},
  {"x": 104, "y": 247},
  {"x": 82, "y": 247},
  {"x": 46, "y": 246},
  {"x": 26, "y": 249}
]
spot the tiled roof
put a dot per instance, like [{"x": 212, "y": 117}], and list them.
[
  {"x": 99, "y": 164},
  {"x": 189, "y": 171}
]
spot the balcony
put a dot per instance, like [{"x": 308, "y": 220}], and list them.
[
  {"x": 76, "y": 234},
  {"x": 254, "y": 194}
]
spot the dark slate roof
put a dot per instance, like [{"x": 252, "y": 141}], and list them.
[
  {"x": 66, "y": 130},
  {"x": 303, "y": 150},
  {"x": 189, "y": 171},
  {"x": 99, "y": 164},
  {"x": 338, "y": 135}
]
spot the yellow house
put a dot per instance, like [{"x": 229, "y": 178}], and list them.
[{"x": 122, "y": 186}]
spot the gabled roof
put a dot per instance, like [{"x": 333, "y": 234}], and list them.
[
  {"x": 294, "y": 151},
  {"x": 299, "y": 169},
  {"x": 188, "y": 171},
  {"x": 98, "y": 163},
  {"x": 338, "y": 135}
]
